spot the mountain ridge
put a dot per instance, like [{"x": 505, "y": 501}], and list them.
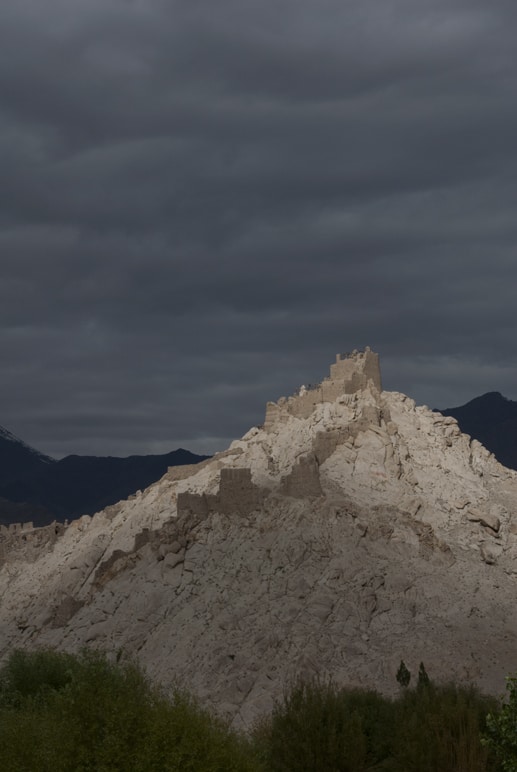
[
  {"x": 492, "y": 419},
  {"x": 16, "y": 457},
  {"x": 35, "y": 487}
]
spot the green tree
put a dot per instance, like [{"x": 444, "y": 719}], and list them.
[
  {"x": 29, "y": 676},
  {"x": 439, "y": 729},
  {"x": 60, "y": 713},
  {"x": 501, "y": 728},
  {"x": 320, "y": 727}
]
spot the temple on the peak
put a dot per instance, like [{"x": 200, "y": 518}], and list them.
[{"x": 350, "y": 373}]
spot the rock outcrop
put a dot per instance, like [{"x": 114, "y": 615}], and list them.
[{"x": 353, "y": 530}]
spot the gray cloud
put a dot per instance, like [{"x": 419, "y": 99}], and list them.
[{"x": 201, "y": 204}]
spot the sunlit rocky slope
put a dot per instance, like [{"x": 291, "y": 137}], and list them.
[{"x": 350, "y": 531}]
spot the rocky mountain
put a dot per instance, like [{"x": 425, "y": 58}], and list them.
[
  {"x": 491, "y": 419},
  {"x": 350, "y": 531}
]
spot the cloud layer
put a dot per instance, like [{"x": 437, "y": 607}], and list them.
[{"x": 202, "y": 203}]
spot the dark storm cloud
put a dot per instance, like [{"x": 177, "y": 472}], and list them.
[{"x": 202, "y": 203}]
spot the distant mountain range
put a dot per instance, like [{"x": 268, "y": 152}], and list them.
[
  {"x": 491, "y": 419},
  {"x": 39, "y": 488}
]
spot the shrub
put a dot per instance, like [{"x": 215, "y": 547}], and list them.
[
  {"x": 438, "y": 729},
  {"x": 501, "y": 729},
  {"x": 60, "y": 713},
  {"x": 33, "y": 676},
  {"x": 320, "y": 727},
  {"x": 427, "y": 729}
]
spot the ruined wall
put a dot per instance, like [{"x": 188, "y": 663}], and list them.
[
  {"x": 23, "y": 540},
  {"x": 356, "y": 369},
  {"x": 14, "y": 528},
  {"x": 195, "y": 503},
  {"x": 237, "y": 494},
  {"x": 303, "y": 481},
  {"x": 276, "y": 412},
  {"x": 350, "y": 373}
]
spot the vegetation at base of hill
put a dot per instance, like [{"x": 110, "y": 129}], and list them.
[
  {"x": 81, "y": 713},
  {"x": 426, "y": 729},
  {"x": 501, "y": 735},
  {"x": 65, "y": 713}
]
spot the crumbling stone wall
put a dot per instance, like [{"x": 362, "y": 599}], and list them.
[
  {"x": 303, "y": 481},
  {"x": 356, "y": 370},
  {"x": 195, "y": 503},
  {"x": 237, "y": 494},
  {"x": 350, "y": 373},
  {"x": 15, "y": 528},
  {"x": 22, "y": 539}
]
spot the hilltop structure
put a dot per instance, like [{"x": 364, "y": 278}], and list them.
[
  {"x": 350, "y": 373},
  {"x": 353, "y": 530}
]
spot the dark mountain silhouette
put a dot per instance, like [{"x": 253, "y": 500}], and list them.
[
  {"x": 18, "y": 459},
  {"x": 39, "y": 488},
  {"x": 491, "y": 419}
]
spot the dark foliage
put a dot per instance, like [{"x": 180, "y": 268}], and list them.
[
  {"x": 60, "y": 713},
  {"x": 403, "y": 675},
  {"x": 320, "y": 728},
  {"x": 81, "y": 713}
]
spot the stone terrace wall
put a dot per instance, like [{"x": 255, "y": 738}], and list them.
[{"x": 350, "y": 373}]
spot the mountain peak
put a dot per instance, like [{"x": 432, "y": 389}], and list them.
[
  {"x": 490, "y": 397},
  {"x": 8, "y": 436},
  {"x": 17, "y": 459}
]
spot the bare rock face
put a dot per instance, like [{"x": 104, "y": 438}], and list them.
[{"x": 351, "y": 531}]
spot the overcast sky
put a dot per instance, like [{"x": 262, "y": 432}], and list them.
[{"x": 202, "y": 202}]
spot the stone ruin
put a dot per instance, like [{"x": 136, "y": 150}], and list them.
[
  {"x": 350, "y": 373},
  {"x": 238, "y": 494},
  {"x": 24, "y": 538}
]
